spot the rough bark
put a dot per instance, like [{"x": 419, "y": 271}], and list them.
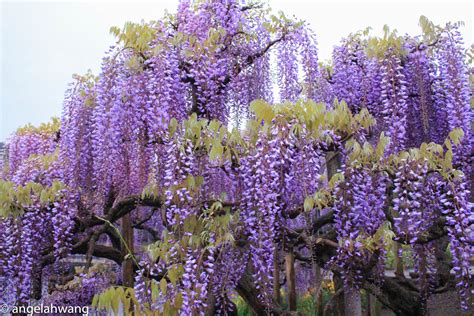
[
  {"x": 100, "y": 251},
  {"x": 400, "y": 296},
  {"x": 443, "y": 262},
  {"x": 249, "y": 293},
  {"x": 36, "y": 282}
]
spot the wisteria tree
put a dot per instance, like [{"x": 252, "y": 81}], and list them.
[{"x": 176, "y": 164}]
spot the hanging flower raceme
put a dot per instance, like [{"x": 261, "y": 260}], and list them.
[
  {"x": 63, "y": 211},
  {"x": 33, "y": 210},
  {"x": 408, "y": 202},
  {"x": 228, "y": 271},
  {"x": 179, "y": 165},
  {"x": 102, "y": 136},
  {"x": 454, "y": 79},
  {"x": 259, "y": 212},
  {"x": 288, "y": 73},
  {"x": 359, "y": 215},
  {"x": 459, "y": 217},
  {"x": 425, "y": 266},
  {"x": 29, "y": 140},
  {"x": 350, "y": 78},
  {"x": 31, "y": 234},
  {"x": 394, "y": 98},
  {"x": 196, "y": 280},
  {"x": 423, "y": 118},
  {"x": 309, "y": 60},
  {"x": 453, "y": 95},
  {"x": 75, "y": 137}
]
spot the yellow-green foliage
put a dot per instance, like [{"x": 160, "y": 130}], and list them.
[
  {"x": 44, "y": 128},
  {"x": 311, "y": 118},
  {"x": 391, "y": 42},
  {"x": 135, "y": 35},
  {"x": 13, "y": 197},
  {"x": 428, "y": 29},
  {"x": 111, "y": 299},
  {"x": 379, "y": 46}
]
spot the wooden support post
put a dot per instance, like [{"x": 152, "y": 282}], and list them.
[
  {"x": 318, "y": 295},
  {"x": 340, "y": 302},
  {"x": 276, "y": 276},
  {"x": 127, "y": 265},
  {"x": 290, "y": 278},
  {"x": 374, "y": 305},
  {"x": 399, "y": 271},
  {"x": 352, "y": 302}
]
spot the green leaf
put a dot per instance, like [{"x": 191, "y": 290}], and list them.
[
  {"x": 217, "y": 150},
  {"x": 456, "y": 135},
  {"x": 114, "y": 302},
  {"x": 308, "y": 203},
  {"x": 154, "y": 290},
  {"x": 172, "y": 126},
  {"x": 191, "y": 183},
  {"x": 337, "y": 177},
  {"x": 199, "y": 180},
  {"x": 95, "y": 300},
  {"x": 214, "y": 126},
  {"x": 44, "y": 197},
  {"x": 448, "y": 144},
  {"x": 178, "y": 300},
  {"x": 263, "y": 110},
  {"x": 163, "y": 286},
  {"x": 173, "y": 276},
  {"x": 448, "y": 159}
]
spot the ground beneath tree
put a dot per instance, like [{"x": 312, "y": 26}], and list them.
[{"x": 446, "y": 304}]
